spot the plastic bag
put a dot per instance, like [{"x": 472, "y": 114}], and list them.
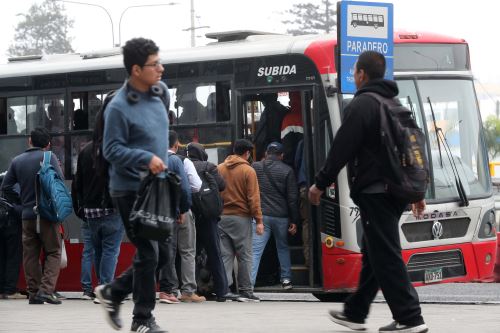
[
  {"x": 64, "y": 255},
  {"x": 155, "y": 208}
]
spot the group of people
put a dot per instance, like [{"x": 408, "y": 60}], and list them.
[{"x": 259, "y": 199}]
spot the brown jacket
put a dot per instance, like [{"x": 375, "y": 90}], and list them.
[{"x": 242, "y": 195}]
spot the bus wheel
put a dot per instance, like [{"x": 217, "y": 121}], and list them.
[{"x": 331, "y": 297}]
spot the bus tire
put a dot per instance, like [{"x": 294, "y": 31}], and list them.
[{"x": 331, "y": 297}]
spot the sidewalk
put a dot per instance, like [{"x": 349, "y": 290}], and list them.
[{"x": 78, "y": 316}]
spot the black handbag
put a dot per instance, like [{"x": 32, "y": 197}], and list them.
[{"x": 156, "y": 205}]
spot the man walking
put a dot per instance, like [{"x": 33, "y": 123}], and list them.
[
  {"x": 279, "y": 200},
  {"x": 358, "y": 142},
  {"x": 37, "y": 234},
  {"x": 241, "y": 204},
  {"x": 135, "y": 143}
]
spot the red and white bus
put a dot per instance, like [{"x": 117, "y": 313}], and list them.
[{"x": 216, "y": 92}]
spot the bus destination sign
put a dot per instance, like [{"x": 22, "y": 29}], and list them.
[{"x": 363, "y": 26}]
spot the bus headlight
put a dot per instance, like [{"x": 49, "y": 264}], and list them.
[{"x": 487, "y": 228}]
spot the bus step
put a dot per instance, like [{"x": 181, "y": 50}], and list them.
[
  {"x": 300, "y": 275},
  {"x": 297, "y": 255}
]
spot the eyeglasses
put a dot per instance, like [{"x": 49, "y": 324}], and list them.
[{"x": 157, "y": 64}]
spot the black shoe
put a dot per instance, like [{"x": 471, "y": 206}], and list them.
[
  {"x": 34, "y": 299},
  {"x": 47, "y": 298},
  {"x": 149, "y": 326},
  {"x": 247, "y": 297},
  {"x": 220, "y": 299},
  {"x": 397, "y": 327},
  {"x": 231, "y": 297},
  {"x": 286, "y": 284},
  {"x": 88, "y": 295},
  {"x": 111, "y": 308},
  {"x": 58, "y": 296},
  {"x": 338, "y": 317}
]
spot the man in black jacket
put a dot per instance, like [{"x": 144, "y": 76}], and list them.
[
  {"x": 279, "y": 199},
  {"x": 101, "y": 224},
  {"x": 207, "y": 230},
  {"x": 358, "y": 142}
]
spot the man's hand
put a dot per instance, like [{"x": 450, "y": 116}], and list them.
[
  {"x": 156, "y": 165},
  {"x": 418, "y": 208},
  {"x": 314, "y": 195},
  {"x": 180, "y": 220},
  {"x": 259, "y": 229},
  {"x": 292, "y": 229}
]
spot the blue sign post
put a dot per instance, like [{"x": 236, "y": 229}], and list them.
[{"x": 363, "y": 26}]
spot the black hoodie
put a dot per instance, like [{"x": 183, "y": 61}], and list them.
[
  {"x": 357, "y": 141},
  {"x": 196, "y": 153}
]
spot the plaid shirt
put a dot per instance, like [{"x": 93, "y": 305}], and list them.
[{"x": 94, "y": 213}]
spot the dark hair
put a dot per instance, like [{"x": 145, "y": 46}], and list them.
[
  {"x": 136, "y": 52},
  {"x": 241, "y": 146},
  {"x": 40, "y": 137},
  {"x": 372, "y": 63},
  {"x": 173, "y": 137}
]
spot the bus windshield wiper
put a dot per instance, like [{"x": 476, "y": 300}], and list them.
[
  {"x": 408, "y": 99},
  {"x": 441, "y": 138}
]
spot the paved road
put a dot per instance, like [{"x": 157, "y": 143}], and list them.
[{"x": 302, "y": 315}]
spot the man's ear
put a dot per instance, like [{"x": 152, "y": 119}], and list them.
[{"x": 136, "y": 70}]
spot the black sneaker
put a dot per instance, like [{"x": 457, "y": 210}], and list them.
[
  {"x": 88, "y": 295},
  {"x": 34, "y": 299},
  {"x": 47, "y": 298},
  {"x": 286, "y": 284},
  {"x": 338, "y": 317},
  {"x": 231, "y": 296},
  {"x": 58, "y": 295},
  {"x": 111, "y": 308},
  {"x": 149, "y": 326},
  {"x": 397, "y": 327},
  {"x": 247, "y": 297}
]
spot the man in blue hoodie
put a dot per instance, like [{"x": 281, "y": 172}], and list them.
[{"x": 135, "y": 143}]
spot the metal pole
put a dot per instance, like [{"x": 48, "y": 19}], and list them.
[
  {"x": 92, "y": 4},
  {"x": 193, "y": 42}
]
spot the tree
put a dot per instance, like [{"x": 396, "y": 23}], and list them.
[
  {"x": 43, "y": 30},
  {"x": 492, "y": 133},
  {"x": 309, "y": 18}
]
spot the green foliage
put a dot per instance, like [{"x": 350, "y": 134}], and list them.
[
  {"x": 309, "y": 18},
  {"x": 43, "y": 30},
  {"x": 492, "y": 133}
]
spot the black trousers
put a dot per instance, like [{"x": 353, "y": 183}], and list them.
[
  {"x": 382, "y": 264},
  {"x": 11, "y": 250},
  {"x": 207, "y": 234},
  {"x": 139, "y": 279}
]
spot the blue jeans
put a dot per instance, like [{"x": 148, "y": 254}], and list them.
[
  {"x": 278, "y": 226},
  {"x": 88, "y": 256},
  {"x": 107, "y": 234}
]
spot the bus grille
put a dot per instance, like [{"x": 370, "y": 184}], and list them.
[
  {"x": 451, "y": 262},
  {"x": 330, "y": 221},
  {"x": 422, "y": 231}
]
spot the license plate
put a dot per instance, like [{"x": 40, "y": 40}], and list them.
[{"x": 433, "y": 275}]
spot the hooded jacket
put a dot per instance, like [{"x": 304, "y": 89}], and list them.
[
  {"x": 241, "y": 196},
  {"x": 357, "y": 141},
  {"x": 196, "y": 153}
]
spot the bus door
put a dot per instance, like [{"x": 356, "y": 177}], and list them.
[{"x": 283, "y": 114}]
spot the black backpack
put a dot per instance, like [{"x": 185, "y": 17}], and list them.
[
  {"x": 6, "y": 211},
  {"x": 207, "y": 203},
  {"x": 405, "y": 168}
]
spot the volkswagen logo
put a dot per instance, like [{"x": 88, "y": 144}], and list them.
[{"x": 437, "y": 230}]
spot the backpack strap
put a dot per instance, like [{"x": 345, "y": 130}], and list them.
[{"x": 47, "y": 155}]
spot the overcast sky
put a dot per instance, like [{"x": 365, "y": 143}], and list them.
[{"x": 474, "y": 21}]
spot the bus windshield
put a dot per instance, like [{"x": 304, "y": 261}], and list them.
[{"x": 456, "y": 114}]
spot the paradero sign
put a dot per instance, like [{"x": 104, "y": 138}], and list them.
[{"x": 363, "y": 26}]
